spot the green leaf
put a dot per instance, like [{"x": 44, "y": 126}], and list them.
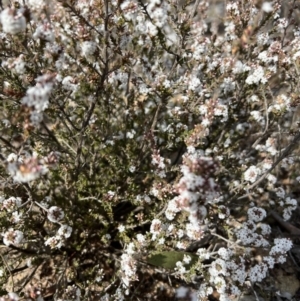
[{"x": 168, "y": 259}]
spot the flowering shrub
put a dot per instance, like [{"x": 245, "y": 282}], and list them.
[{"x": 144, "y": 147}]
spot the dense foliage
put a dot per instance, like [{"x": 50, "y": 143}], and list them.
[{"x": 145, "y": 145}]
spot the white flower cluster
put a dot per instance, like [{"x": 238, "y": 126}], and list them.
[
  {"x": 230, "y": 270},
  {"x": 58, "y": 240},
  {"x": 13, "y": 21},
  {"x": 223, "y": 273},
  {"x": 287, "y": 203},
  {"x": 219, "y": 109},
  {"x": 26, "y": 170},
  {"x": 281, "y": 104},
  {"x": 158, "y": 12},
  {"x": 252, "y": 173},
  {"x": 10, "y": 204},
  {"x": 37, "y": 97},
  {"x": 88, "y": 48},
  {"x": 128, "y": 266},
  {"x": 56, "y": 215},
  {"x": 257, "y": 76},
  {"x": 240, "y": 67},
  {"x": 271, "y": 146},
  {"x": 37, "y": 5},
  {"x": 16, "y": 65},
  {"x": 155, "y": 228},
  {"x": 247, "y": 234},
  {"x": 233, "y": 8},
  {"x": 44, "y": 33},
  {"x": 13, "y": 237},
  {"x": 159, "y": 163}
]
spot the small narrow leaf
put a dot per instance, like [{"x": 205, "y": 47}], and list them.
[{"x": 168, "y": 259}]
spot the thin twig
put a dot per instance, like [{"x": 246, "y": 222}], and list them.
[
  {"x": 227, "y": 240},
  {"x": 266, "y": 110}
]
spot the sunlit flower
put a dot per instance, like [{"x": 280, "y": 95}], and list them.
[
  {"x": 251, "y": 174},
  {"x": 12, "y": 21},
  {"x": 13, "y": 237},
  {"x": 55, "y": 214}
]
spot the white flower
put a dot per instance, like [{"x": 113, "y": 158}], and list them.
[
  {"x": 53, "y": 242},
  {"x": 130, "y": 249},
  {"x": 267, "y": 7},
  {"x": 69, "y": 84},
  {"x": 234, "y": 290},
  {"x": 37, "y": 4},
  {"x": 12, "y": 237},
  {"x": 121, "y": 228},
  {"x": 156, "y": 226},
  {"x": 186, "y": 259},
  {"x": 130, "y": 135},
  {"x": 16, "y": 65},
  {"x": 193, "y": 229},
  {"x": 132, "y": 168},
  {"x": 225, "y": 253},
  {"x": 233, "y": 7},
  {"x": 291, "y": 202},
  {"x": 181, "y": 245},
  {"x": 228, "y": 85},
  {"x": 280, "y": 192},
  {"x": 11, "y": 203},
  {"x": 272, "y": 179},
  {"x": 140, "y": 238},
  {"x": 258, "y": 272},
  {"x": 220, "y": 284},
  {"x": 203, "y": 254},
  {"x": 12, "y": 21},
  {"x": 180, "y": 267},
  {"x": 55, "y": 214},
  {"x": 239, "y": 67},
  {"x": 44, "y": 33},
  {"x": 218, "y": 267},
  {"x": 256, "y": 77},
  {"x": 88, "y": 48},
  {"x": 265, "y": 229},
  {"x": 263, "y": 39},
  {"x": 204, "y": 291},
  {"x": 128, "y": 267},
  {"x": 270, "y": 261},
  {"x": 256, "y": 214},
  {"x": 256, "y": 115},
  {"x": 161, "y": 241},
  {"x": 64, "y": 231},
  {"x": 28, "y": 171},
  {"x": 281, "y": 104},
  {"x": 282, "y": 23},
  {"x": 271, "y": 146},
  {"x": 38, "y": 96},
  {"x": 287, "y": 213},
  {"x": 252, "y": 173},
  {"x": 194, "y": 83}
]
